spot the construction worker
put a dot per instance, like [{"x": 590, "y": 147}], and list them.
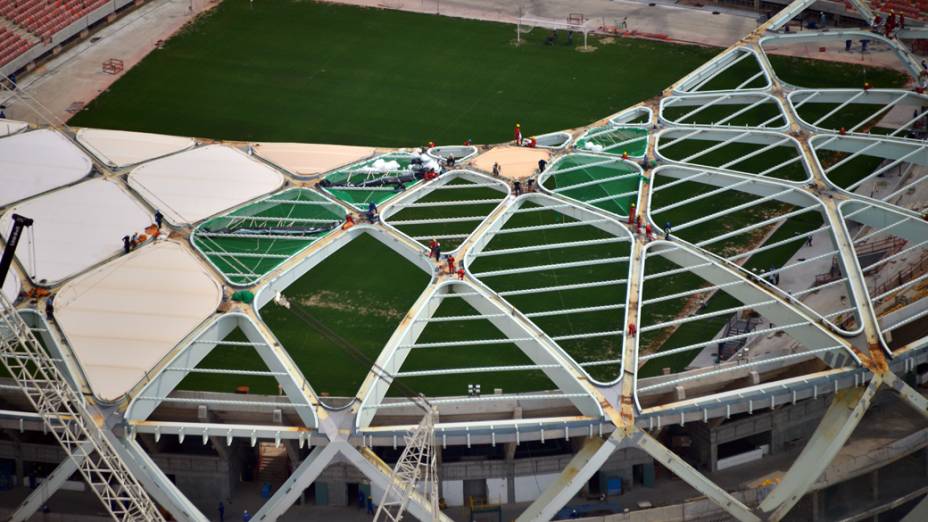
[
  {"x": 126, "y": 245},
  {"x": 468, "y": 142},
  {"x": 372, "y": 212},
  {"x": 461, "y": 273},
  {"x": 450, "y": 260},
  {"x": 50, "y": 308},
  {"x": 532, "y": 142},
  {"x": 517, "y": 134},
  {"x": 517, "y": 187},
  {"x": 647, "y": 232},
  {"x": 541, "y": 165},
  {"x": 625, "y": 155},
  {"x": 631, "y": 214},
  {"x": 437, "y": 251},
  {"x": 431, "y": 144},
  {"x": 667, "y": 230},
  {"x": 450, "y": 160},
  {"x": 530, "y": 185},
  {"x": 246, "y": 516},
  {"x": 632, "y": 330},
  {"x": 159, "y": 218},
  {"x": 637, "y": 223},
  {"x": 434, "y": 247},
  {"x": 497, "y": 170}
]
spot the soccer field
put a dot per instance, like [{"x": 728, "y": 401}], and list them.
[{"x": 309, "y": 72}]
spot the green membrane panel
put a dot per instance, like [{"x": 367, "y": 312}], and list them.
[
  {"x": 373, "y": 180},
  {"x": 249, "y": 242},
  {"x": 615, "y": 140},
  {"x": 607, "y": 183}
]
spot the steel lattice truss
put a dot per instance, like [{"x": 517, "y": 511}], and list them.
[{"x": 764, "y": 167}]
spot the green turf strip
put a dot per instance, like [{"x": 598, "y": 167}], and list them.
[
  {"x": 231, "y": 357},
  {"x": 851, "y": 171},
  {"x": 819, "y": 74},
  {"x": 634, "y": 139},
  {"x": 767, "y": 114},
  {"x": 705, "y": 329},
  {"x": 582, "y": 350},
  {"x": 731, "y": 153},
  {"x": 429, "y": 230},
  {"x": 502, "y": 354},
  {"x": 362, "y": 292},
  {"x": 233, "y": 255},
  {"x": 736, "y": 76}
]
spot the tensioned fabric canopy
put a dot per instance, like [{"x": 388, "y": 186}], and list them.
[
  {"x": 75, "y": 228},
  {"x": 201, "y": 182},
  {"x": 121, "y": 319},
  {"x": 38, "y": 161}
]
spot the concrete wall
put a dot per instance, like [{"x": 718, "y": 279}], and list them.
[
  {"x": 528, "y": 488},
  {"x": 497, "y": 491},
  {"x": 453, "y": 492}
]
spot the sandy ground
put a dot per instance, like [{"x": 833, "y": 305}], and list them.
[
  {"x": 514, "y": 162},
  {"x": 308, "y": 160}
]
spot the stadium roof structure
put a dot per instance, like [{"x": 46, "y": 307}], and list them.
[
  {"x": 770, "y": 258},
  {"x": 120, "y": 149},
  {"x": 76, "y": 228}
]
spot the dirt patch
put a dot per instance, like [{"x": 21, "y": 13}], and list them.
[{"x": 333, "y": 301}]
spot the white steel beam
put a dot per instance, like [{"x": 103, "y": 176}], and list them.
[
  {"x": 594, "y": 453},
  {"x": 50, "y": 484},
  {"x": 299, "y": 480},
  {"x": 697, "y": 480},
  {"x": 846, "y": 411}
]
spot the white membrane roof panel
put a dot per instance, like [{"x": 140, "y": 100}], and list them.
[
  {"x": 198, "y": 183},
  {"x": 124, "y": 148},
  {"x": 309, "y": 159},
  {"x": 124, "y": 317},
  {"x": 11, "y": 286},
  {"x": 11, "y": 126},
  {"x": 38, "y": 161},
  {"x": 75, "y": 228}
]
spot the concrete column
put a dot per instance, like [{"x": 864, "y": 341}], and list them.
[
  {"x": 18, "y": 449},
  {"x": 875, "y": 483},
  {"x": 817, "y": 506},
  {"x": 713, "y": 450},
  {"x": 510, "y": 471}
]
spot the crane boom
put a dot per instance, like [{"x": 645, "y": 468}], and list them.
[{"x": 19, "y": 224}]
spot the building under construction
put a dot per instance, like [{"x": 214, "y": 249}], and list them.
[{"x": 709, "y": 306}]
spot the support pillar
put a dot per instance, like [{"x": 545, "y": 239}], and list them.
[
  {"x": 817, "y": 505},
  {"x": 846, "y": 410},
  {"x": 578, "y": 472},
  {"x": 48, "y": 487}
]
